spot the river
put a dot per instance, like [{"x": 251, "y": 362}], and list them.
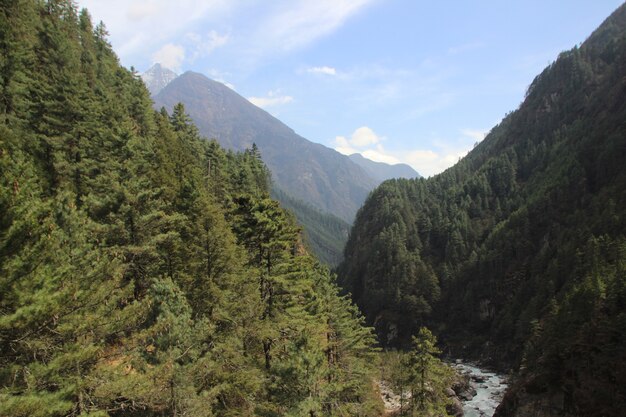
[{"x": 489, "y": 387}]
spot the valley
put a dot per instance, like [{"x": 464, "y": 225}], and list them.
[
  {"x": 515, "y": 255},
  {"x": 167, "y": 248},
  {"x": 322, "y": 187}
]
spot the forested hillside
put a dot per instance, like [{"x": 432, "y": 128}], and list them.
[
  {"x": 324, "y": 233},
  {"x": 517, "y": 254},
  {"x": 307, "y": 171},
  {"x": 322, "y": 187},
  {"x": 144, "y": 271}
]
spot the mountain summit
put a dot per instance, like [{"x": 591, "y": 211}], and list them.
[
  {"x": 308, "y": 171},
  {"x": 157, "y": 77},
  {"x": 382, "y": 171}
]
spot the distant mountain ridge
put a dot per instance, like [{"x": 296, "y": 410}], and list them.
[
  {"x": 322, "y": 187},
  {"x": 381, "y": 171},
  {"x": 308, "y": 171}
]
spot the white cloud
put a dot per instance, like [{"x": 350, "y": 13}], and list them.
[
  {"x": 342, "y": 145},
  {"x": 141, "y": 10},
  {"x": 431, "y": 162},
  {"x": 322, "y": 70},
  {"x": 361, "y": 137},
  {"x": 272, "y": 99},
  {"x": 261, "y": 29},
  {"x": 427, "y": 162},
  {"x": 364, "y": 136},
  {"x": 297, "y": 23},
  {"x": 204, "y": 45},
  {"x": 170, "y": 55},
  {"x": 380, "y": 155},
  {"x": 138, "y": 27},
  {"x": 214, "y": 40},
  {"x": 366, "y": 142}
]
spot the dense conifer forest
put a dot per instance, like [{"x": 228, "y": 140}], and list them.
[
  {"x": 324, "y": 234},
  {"x": 145, "y": 271},
  {"x": 517, "y": 254}
]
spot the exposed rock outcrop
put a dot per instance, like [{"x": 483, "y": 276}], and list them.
[{"x": 463, "y": 388}]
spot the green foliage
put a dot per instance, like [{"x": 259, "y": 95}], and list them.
[
  {"x": 145, "y": 271},
  {"x": 308, "y": 172},
  {"x": 515, "y": 254},
  {"x": 419, "y": 376},
  {"x": 324, "y": 233},
  {"x": 427, "y": 377}
]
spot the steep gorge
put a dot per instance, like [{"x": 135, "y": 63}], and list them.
[{"x": 517, "y": 254}]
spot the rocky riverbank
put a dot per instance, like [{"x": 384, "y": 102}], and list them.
[
  {"x": 394, "y": 404},
  {"x": 487, "y": 388},
  {"x": 476, "y": 392}
]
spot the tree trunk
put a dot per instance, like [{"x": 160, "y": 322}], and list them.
[{"x": 267, "y": 347}]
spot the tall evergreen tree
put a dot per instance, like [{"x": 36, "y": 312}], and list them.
[{"x": 145, "y": 271}]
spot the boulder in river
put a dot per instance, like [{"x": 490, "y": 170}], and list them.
[
  {"x": 463, "y": 388},
  {"x": 479, "y": 378}
]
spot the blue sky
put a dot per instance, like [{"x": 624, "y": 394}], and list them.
[{"x": 398, "y": 80}]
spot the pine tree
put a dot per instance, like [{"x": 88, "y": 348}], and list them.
[
  {"x": 143, "y": 270},
  {"x": 427, "y": 377}
]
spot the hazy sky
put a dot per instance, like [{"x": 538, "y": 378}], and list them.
[{"x": 398, "y": 80}]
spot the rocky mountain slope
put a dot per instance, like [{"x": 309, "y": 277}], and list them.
[{"x": 305, "y": 170}]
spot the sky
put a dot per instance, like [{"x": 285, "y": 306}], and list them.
[{"x": 413, "y": 81}]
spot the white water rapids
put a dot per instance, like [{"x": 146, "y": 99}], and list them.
[{"x": 489, "y": 388}]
